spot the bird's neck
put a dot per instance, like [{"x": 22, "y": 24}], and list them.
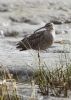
[{"x": 53, "y": 33}]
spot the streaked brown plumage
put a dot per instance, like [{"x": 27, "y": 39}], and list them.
[{"x": 40, "y": 40}]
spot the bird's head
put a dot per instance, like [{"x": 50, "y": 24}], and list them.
[{"x": 48, "y": 26}]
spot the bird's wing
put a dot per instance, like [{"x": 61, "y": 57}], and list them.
[
  {"x": 36, "y": 35},
  {"x": 35, "y": 39},
  {"x": 32, "y": 40}
]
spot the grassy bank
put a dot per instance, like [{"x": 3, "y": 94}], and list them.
[{"x": 55, "y": 82}]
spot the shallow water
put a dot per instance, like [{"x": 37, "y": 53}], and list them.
[{"x": 21, "y": 18}]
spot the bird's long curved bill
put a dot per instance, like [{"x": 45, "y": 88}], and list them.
[{"x": 39, "y": 29}]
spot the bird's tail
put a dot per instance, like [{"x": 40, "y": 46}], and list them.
[{"x": 23, "y": 45}]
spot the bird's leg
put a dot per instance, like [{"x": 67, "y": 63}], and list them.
[{"x": 38, "y": 58}]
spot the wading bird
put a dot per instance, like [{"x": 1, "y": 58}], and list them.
[{"x": 40, "y": 39}]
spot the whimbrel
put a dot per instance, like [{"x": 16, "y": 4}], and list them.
[{"x": 40, "y": 39}]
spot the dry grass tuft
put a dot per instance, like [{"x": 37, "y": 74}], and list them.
[{"x": 8, "y": 89}]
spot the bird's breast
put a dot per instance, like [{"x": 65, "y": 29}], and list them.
[
  {"x": 45, "y": 42},
  {"x": 53, "y": 34}
]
